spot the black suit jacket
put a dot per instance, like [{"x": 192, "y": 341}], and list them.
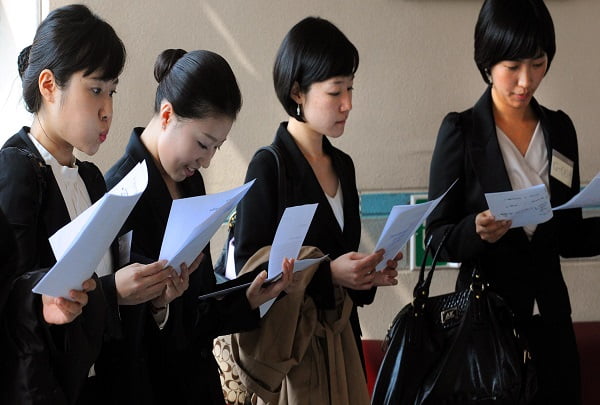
[
  {"x": 182, "y": 367},
  {"x": 48, "y": 363},
  {"x": 258, "y": 216},
  {"x": 8, "y": 255},
  {"x": 520, "y": 269}
]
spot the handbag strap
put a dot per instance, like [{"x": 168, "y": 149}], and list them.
[
  {"x": 281, "y": 176},
  {"x": 421, "y": 290}
]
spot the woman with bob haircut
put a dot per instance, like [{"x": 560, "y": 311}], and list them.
[
  {"x": 313, "y": 77},
  {"x": 69, "y": 74},
  {"x": 507, "y": 141},
  {"x": 196, "y": 103}
]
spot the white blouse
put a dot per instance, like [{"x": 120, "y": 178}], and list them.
[
  {"x": 337, "y": 205},
  {"x": 529, "y": 170},
  {"x": 74, "y": 194}
]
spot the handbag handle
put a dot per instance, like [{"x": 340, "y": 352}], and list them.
[{"x": 421, "y": 290}]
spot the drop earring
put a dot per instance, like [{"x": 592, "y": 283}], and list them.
[
  {"x": 489, "y": 76},
  {"x": 298, "y": 110}
]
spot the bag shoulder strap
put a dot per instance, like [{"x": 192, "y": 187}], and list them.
[
  {"x": 39, "y": 167},
  {"x": 281, "y": 176},
  {"x": 422, "y": 288}
]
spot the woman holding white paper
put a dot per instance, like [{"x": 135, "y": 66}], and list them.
[
  {"x": 52, "y": 342},
  {"x": 314, "y": 77},
  {"x": 197, "y": 101},
  {"x": 507, "y": 141}
]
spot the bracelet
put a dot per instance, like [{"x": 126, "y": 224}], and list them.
[{"x": 156, "y": 310}]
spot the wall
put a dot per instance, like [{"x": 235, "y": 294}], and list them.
[{"x": 416, "y": 65}]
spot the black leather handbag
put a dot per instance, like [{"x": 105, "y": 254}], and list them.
[{"x": 458, "y": 348}]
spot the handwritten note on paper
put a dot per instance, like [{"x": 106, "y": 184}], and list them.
[
  {"x": 193, "y": 221},
  {"x": 528, "y": 206},
  {"x": 588, "y": 197},
  {"x": 402, "y": 223},
  {"x": 80, "y": 245}
]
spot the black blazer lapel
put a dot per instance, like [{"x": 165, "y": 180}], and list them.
[
  {"x": 483, "y": 148},
  {"x": 306, "y": 186}
]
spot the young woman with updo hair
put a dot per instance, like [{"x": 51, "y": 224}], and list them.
[{"x": 197, "y": 101}]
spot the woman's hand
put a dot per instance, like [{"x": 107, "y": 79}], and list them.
[
  {"x": 257, "y": 294},
  {"x": 388, "y": 276},
  {"x": 59, "y": 311},
  {"x": 355, "y": 270},
  {"x": 488, "y": 228},
  {"x": 138, "y": 283},
  {"x": 177, "y": 284}
]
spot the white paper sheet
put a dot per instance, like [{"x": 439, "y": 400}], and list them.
[
  {"x": 402, "y": 223},
  {"x": 193, "y": 221},
  {"x": 289, "y": 236},
  {"x": 80, "y": 245},
  {"x": 588, "y": 197},
  {"x": 528, "y": 206}
]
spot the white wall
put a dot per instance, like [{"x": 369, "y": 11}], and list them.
[{"x": 416, "y": 65}]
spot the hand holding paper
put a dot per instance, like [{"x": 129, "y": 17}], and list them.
[
  {"x": 80, "y": 245},
  {"x": 403, "y": 221},
  {"x": 528, "y": 206},
  {"x": 258, "y": 293},
  {"x": 60, "y": 311}
]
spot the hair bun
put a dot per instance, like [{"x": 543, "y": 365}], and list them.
[
  {"x": 165, "y": 61},
  {"x": 23, "y": 60}
]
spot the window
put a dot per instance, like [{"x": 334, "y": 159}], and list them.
[{"x": 18, "y": 22}]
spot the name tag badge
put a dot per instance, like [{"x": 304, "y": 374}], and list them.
[{"x": 562, "y": 168}]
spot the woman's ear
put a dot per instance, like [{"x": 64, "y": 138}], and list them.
[
  {"x": 47, "y": 85},
  {"x": 166, "y": 114},
  {"x": 296, "y": 94}
]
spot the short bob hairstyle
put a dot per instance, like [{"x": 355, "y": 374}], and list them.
[
  {"x": 314, "y": 50},
  {"x": 69, "y": 40},
  {"x": 512, "y": 30},
  {"x": 198, "y": 84}
]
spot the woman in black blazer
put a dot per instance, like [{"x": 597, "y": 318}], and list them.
[
  {"x": 313, "y": 77},
  {"x": 52, "y": 343},
  {"x": 507, "y": 141},
  {"x": 197, "y": 100}
]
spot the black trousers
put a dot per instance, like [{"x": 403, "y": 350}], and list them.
[{"x": 554, "y": 350}]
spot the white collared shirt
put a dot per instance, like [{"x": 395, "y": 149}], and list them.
[
  {"x": 74, "y": 193},
  {"x": 529, "y": 170}
]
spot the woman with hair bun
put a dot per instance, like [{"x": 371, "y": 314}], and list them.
[
  {"x": 69, "y": 74},
  {"x": 196, "y": 103}
]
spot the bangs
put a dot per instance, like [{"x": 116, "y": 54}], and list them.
[
  {"x": 102, "y": 52},
  {"x": 528, "y": 42},
  {"x": 331, "y": 61}
]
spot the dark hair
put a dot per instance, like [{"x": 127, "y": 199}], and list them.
[
  {"x": 512, "y": 30},
  {"x": 314, "y": 50},
  {"x": 198, "y": 84},
  {"x": 69, "y": 40}
]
